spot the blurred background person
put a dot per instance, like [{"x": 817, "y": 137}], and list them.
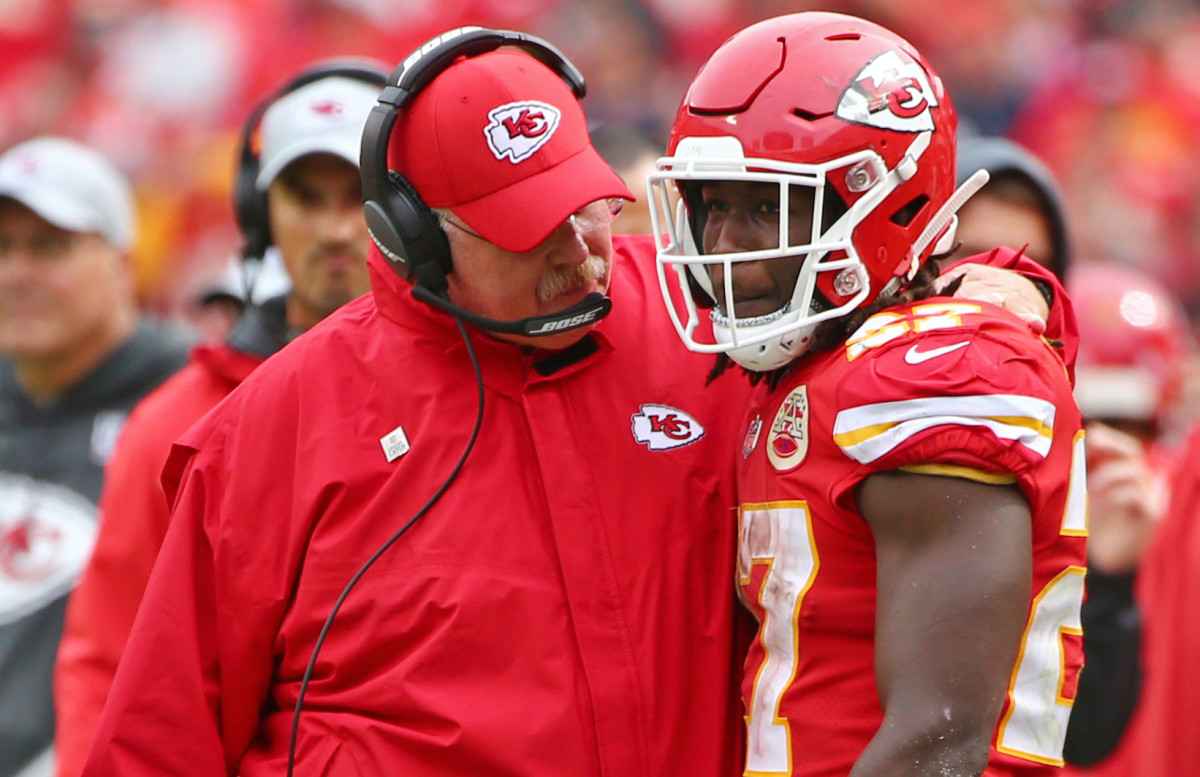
[
  {"x": 1133, "y": 344},
  {"x": 1130, "y": 376},
  {"x": 632, "y": 152},
  {"x": 1163, "y": 738},
  {"x": 219, "y": 300},
  {"x": 75, "y": 356},
  {"x": 1021, "y": 205},
  {"x": 302, "y": 201}
]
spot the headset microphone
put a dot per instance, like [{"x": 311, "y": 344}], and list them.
[{"x": 589, "y": 310}]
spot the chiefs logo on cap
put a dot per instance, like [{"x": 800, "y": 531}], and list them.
[
  {"x": 517, "y": 130},
  {"x": 890, "y": 93}
]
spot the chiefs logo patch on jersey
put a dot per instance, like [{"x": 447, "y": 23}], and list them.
[
  {"x": 787, "y": 444},
  {"x": 517, "y": 130},
  {"x": 661, "y": 428},
  {"x": 890, "y": 93}
]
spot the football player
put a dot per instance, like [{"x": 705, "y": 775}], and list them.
[{"x": 912, "y": 511}]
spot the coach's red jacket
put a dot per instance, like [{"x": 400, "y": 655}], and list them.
[{"x": 565, "y": 608}]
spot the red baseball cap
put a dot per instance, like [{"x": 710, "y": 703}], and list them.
[{"x": 501, "y": 140}]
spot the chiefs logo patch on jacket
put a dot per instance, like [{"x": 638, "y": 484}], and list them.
[{"x": 660, "y": 427}]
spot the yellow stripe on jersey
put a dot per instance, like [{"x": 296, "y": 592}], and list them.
[
  {"x": 869, "y": 432},
  {"x": 850, "y": 439},
  {"x": 967, "y": 473}
]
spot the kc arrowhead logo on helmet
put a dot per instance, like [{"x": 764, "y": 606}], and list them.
[
  {"x": 518, "y": 130},
  {"x": 890, "y": 93}
]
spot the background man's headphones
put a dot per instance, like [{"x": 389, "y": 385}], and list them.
[
  {"x": 401, "y": 224},
  {"x": 249, "y": 203}
]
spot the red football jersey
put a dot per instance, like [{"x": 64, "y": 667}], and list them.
[{"x": 941, "y": 386}]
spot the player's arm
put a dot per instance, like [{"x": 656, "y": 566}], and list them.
[
  {"x": 1000, "y": 286},
  {"x": 1023, "y": 287},
  {"x": 954, "y": 568}
]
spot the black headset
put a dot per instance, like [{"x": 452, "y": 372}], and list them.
[
  {"x": 405, "y": 229},
  {"x": 249, "y": 202}
]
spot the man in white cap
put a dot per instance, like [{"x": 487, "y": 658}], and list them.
[
  {"x": 74, "y": 358},
  {"x": 309, "y": 215},
  {"x": 310, "y": 140}
]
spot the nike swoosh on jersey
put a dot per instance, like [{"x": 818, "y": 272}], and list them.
[{"x": 914, "y": 356}]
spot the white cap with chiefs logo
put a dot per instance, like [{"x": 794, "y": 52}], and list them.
[
  {"x": 71, "y": 186},
  {"x": 324, "y": 116}
]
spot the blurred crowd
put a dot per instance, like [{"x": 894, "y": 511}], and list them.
[{"x": 1105, "y": 91}]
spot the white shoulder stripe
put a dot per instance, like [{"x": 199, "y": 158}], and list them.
[{"x": 869, "y": 432}]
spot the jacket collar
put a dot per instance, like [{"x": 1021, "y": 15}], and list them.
[
  {"x": 262, "y": 330},
  {"x": 506, "y": 367}
]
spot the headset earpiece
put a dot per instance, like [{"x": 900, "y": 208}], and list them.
[
  {"x": 409, "y": 227},
  {"x": 404, "y": 228},
  {"x": 249, "y": 203}
]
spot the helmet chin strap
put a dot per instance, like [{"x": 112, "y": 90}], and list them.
[
  {"x": 769, "y": 354},
  {"x": 773, "y": 353},
  {"x": 721, "y": 319},
  {"x": 943, "y": 218}
]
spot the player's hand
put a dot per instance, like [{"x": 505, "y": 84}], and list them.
[
  {"x": 1006, "y": 288},
  {"x": 1125, "y": 499}
]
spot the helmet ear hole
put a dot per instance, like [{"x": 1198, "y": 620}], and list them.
[
  {"x": 905, "y": 215},
  {"x": 833, "y": 209},
  {"x": 809, "y": 116}
]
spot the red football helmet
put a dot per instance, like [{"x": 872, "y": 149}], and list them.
[
  {"x": 1134, "y": 342},
  {"x": 820, "y": 100}
]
